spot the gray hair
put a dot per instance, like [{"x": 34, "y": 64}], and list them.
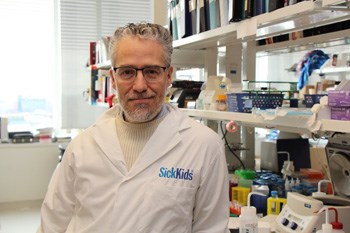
[{"x": 145, "y": 31}]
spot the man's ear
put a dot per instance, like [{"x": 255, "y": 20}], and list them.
[
  {"x": 114, "y": 84},
  {"x": 170, "y": 74}
]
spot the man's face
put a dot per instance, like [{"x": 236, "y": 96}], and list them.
[{"x": 140, "y": 100}]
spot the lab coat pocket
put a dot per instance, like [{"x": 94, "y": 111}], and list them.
[{"x": 167, "y": 209}]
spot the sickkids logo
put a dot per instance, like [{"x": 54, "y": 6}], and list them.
[{"x": 175, "y": 173}]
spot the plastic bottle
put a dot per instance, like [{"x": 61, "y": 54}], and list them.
[
  {"x": 286, "y": 186},
  {"x": 326, "y": 227},
  {"x": 221, "y": 103},
  {"x": 248, "y": 220},
  {"x": 291, "y": 183},
  {"x": 337, "y": 226},
  {"x": 333, "y": 227}
]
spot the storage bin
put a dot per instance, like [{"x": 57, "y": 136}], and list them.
[
  {"x": 240, "y": 194},
  {"x": 245, "y": 178},
  {"x": 311, "y": 99},
  {"x": 275, "y": 203},
  {"x": 244, "y": 102}
]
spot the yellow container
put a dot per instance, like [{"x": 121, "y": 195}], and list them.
[
  {"x": 240, "y": 194},
  {"x": 275, "y": 204}
]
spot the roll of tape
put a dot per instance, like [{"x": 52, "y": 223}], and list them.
[{"x": 231, "y": 126}]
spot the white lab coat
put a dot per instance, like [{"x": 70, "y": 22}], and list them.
[{"x": 93, "y": 192}]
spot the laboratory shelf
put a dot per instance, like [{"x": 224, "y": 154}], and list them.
[
  {"x": 301, "y": 124},
  {"x": 335, "y": 126},
  {"x": 222, "y": 36},
  {"x": 332, "y": 70},
  {"x": 330, "y": 39},
  {"x": 296, "y": 17},
  {"x": 333, "y": 2},
  {"x": 293, "y": 124},
  {"x": 299, "y": 17}
]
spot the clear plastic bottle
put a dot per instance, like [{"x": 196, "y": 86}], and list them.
[
  {"x": 248, "y": 220},
  {"x": 286, "y": 186},
  {"x": 221, "y": 103}
]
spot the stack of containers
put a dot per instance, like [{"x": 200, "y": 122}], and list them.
[
  {"x": 339, "y": 101},
  {"x": 239, "y": 194},
  {"x": 310, "y": 179}
]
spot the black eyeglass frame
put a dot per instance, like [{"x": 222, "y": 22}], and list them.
[{"x": 137, "y": 69}]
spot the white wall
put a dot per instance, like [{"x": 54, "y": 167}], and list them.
[
  {"x": 26, "y": 170},
  {"x": 160, "y": 12},
  {"x": 76, "y": 112}
]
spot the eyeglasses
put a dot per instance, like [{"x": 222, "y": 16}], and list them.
[{"x": 152, "y": 74}]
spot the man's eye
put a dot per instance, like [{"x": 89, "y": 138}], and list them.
[
  {"x": 152, "y": 71},
  {"x": 126, "y": 72}
]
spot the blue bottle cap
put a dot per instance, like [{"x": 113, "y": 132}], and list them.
[{"x": 274, "y": 193}]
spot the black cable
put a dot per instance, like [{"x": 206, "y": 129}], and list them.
[
  {"x": 223, "y": 134},
  {"x": 227, "y": 144}
]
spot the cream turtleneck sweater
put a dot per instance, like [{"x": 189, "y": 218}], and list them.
[{"x": 133, "y": 137}]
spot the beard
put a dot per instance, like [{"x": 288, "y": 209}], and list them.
[{"x": 140, "y": 113}]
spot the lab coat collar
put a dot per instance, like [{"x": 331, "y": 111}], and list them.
[
  {"x": 165, "y": 138},
  {"x": 105, "y": 135}
]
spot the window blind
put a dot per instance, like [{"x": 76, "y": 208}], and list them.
[{"x": 83, "y": 21}]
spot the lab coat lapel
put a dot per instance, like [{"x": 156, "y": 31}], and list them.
[
  {"x": 107, "y": 140},
  {"x": 165, "y": 138}
]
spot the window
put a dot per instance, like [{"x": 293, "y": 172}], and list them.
[
  {"x": 44, "y": 50},
  {"x": 83, "y": 21},
  {"x": 27, "y": 61}
]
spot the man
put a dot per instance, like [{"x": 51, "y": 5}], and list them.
[{"x": 143, "y": 166}]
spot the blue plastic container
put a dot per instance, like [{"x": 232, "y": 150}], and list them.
[
  {"x": 311, "y": 99},
  {"x": 244, "y": 102}
]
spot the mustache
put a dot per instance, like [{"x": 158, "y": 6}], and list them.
[{"x": 141, "y": 96}]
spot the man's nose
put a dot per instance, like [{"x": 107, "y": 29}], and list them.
[{"x": 140, "y": 83}]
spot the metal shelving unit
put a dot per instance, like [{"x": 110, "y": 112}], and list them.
[
  {"x": 296, "y": 17},
  {"x": 190, "y": 51},
  {"x": 303, "y": 15}
]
